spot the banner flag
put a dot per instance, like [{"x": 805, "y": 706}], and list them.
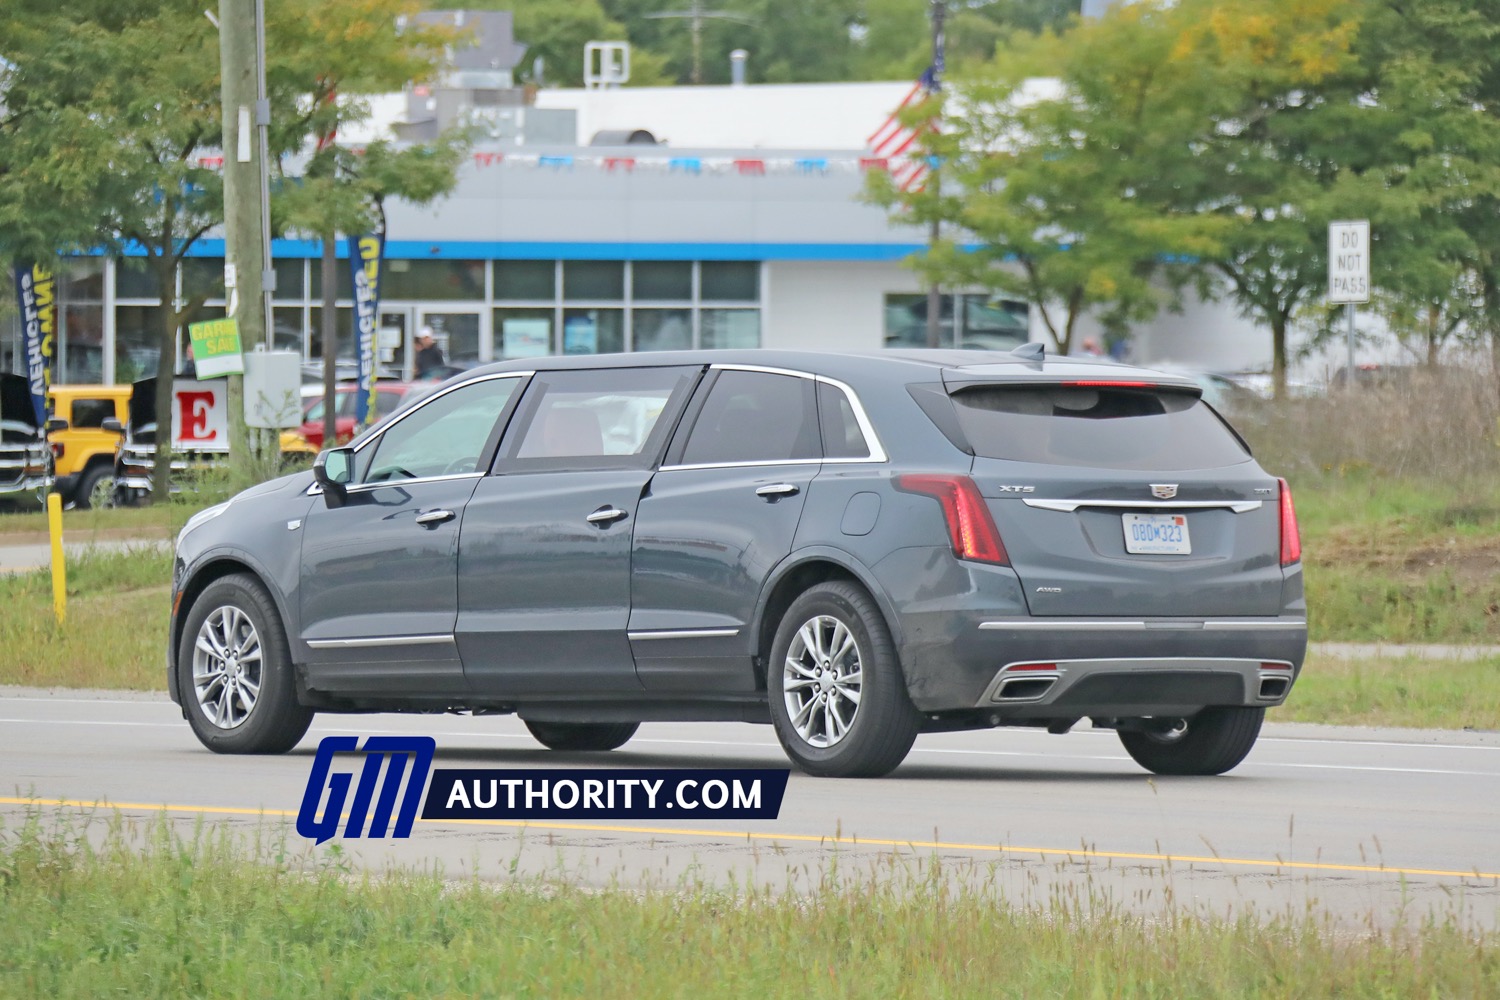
[
  {"x": 36, "y": 292},
  {"x": 365, "y": 254}
]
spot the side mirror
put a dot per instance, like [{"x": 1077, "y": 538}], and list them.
[
  {"x": 56, "y": 424},
  {"x": 334, "y": 471},
  {"x": 113, "y": 425}
]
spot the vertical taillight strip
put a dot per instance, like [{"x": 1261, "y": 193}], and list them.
[
  {"x": 1291, "y": 538},
  {"x": 971, "y": 529}
]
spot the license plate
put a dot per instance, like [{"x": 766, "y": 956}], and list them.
[{"x": 1157, "y": 534}]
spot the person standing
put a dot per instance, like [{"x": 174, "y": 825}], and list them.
[{"x": 429, "y": 354}]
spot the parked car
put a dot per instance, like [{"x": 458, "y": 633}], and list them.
[
  {"x": 84, "y": 451},
  {"x": 854, "y": 549},
  {"x": 388, "y": 396},
  {"x": 25, "y": 459}
]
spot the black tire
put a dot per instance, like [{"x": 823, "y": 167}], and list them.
[
  {"x": 808, "y": 686},
  {"x": 1211, "y": 742},
  {"x": 582, "y": 735},
  {"x": 93, "y": 480},
  {"x": 237, "y": 609}
]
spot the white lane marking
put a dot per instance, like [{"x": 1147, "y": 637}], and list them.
[{"x": 775, "y": 747}]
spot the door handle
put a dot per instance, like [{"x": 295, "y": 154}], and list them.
[
  {"x": 778, "y": 490},
  {"x": 432, "y": 518},
  {"x": 606, "y": 515}
]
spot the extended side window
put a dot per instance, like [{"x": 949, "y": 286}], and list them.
[
  {"x": 755, "y": 417},
  {"x": 842, "y": 436},
  {"x": 597, "y": 418},
  {"x": 445, "y": 437}
]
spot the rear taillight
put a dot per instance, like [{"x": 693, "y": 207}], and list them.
[
  {"x": 971, "y": 529},
  {"x": 58, "y": 449},
  {"x": 1291, "y": 540}
]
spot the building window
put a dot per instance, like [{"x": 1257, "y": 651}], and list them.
[
  {"x": 525, "y": 279},
  {"x": 730, "y": 281},
  {"x": 593, "y": 331},
  {"x": 430, "y": 280},
  {"x": 594, "y": 279},
  {"x": 661, "y": 281},
  {"x": 662, "y": 329},
  {"x": 985, "y": 322},
  {"x": 524, "y": 332}
]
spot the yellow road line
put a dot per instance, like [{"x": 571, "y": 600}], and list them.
[{"x": 1065, "y": 854}]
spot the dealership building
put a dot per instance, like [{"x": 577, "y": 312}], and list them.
[{"x": 619, "y": 219}]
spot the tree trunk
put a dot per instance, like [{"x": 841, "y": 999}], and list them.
[
  {"x": 1278, "y": 356},
  {"x": 165, "y": 267},
  {"x": 1434, "y": 321},
  {"x": 330, "y": 339}
]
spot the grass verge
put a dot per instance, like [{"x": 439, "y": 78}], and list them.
[
  {"x": 115, "y": 632},
  {"x": 206, "y": 915},
  {"x": 1421, "y": 694}
]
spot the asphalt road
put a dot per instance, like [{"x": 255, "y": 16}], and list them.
[{"x": 1360, "y": 823}]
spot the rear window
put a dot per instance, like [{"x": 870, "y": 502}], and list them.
[{"x": 1098, "y": 427}]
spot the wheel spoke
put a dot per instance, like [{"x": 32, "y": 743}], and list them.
[
  {"x": 828, "y": 734},
  {"x": 797, "y": 683},
  {"x": 801, "y": 720},
  {"x": 849, "y": 694},
  {"x": 796, "y": 665},
  {"x": 840, "y": 727},
  {"x": 843, "y": 642},
  {"x": 808, "y": 633}
]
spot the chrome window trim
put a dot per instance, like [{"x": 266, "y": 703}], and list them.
[
  {"x": 1069, "y": 506},
  {"x": 685, "y": 633},
  {"x": 367, "y": 487},
  {"x": 741, "y": 465},
  {"x": 383, "y": 640},
  {"x": 1089, "y": 625},
  {"x": 432, "y": 398},
  {"x": 877, "y": 453}
]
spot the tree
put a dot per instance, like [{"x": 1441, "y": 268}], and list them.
[
  {"x": 556, "y": 31},
  {"x": 131, "y": 98},
  {"x": 1046, "y": 191},
  {"x": 113, "y": 110},
  {"x": 1219, "y": 134},
  {"x": 343, "y": 190}
]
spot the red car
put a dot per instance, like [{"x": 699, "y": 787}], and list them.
[{"x": 388, "y": 396}]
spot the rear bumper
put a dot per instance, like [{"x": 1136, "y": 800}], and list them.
[{"x": 1099, "y": 667}]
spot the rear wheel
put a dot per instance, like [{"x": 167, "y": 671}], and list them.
[
  {"x": 234, "y": 671},
  {"x": 837, "y": 695},
  {"x": 1211, "y": 742},
  {"x": 582, "y": 735}
]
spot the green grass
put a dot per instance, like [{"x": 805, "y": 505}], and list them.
[
  {"x": 115, "y": 632},
  {"x": 1397, "y": 561},
  {"x": 204, "y": 915},
  {"x": 1422, "y": 694}
]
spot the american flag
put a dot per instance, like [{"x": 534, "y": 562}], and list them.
[{"x": 896, "y": 142}]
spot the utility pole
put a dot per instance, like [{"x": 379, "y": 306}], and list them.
[
  {"x": 935, "y": 229},
  {"x": 246, "y": 244},
  {"x": 695, "y": 13}
]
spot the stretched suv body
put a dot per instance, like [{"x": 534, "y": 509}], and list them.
[{"x": 855, "y": 548}]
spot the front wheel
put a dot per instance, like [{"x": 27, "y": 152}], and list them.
[
  {"x": 837, "y": 695},
  {"x": 234, "y": 671},
  {"x": 1211, "y": 742},
  {"x": 582, "y": 735},
  {"x": 97, "y": 490}
]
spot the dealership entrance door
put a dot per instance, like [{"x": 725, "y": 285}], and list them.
[{"x": 457, "y": 330}]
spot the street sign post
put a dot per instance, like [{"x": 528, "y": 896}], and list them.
[{"x": 1349, "y": 273}]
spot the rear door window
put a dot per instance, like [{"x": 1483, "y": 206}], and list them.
[
  {"x": 754, "y": 417},
  {"x": 607, "y": 418},
  {"x": 1101, "y": 427},
  {"x": 842, "y": 436}
]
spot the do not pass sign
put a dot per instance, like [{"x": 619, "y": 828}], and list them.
[{"x": 1349, "y": 261}]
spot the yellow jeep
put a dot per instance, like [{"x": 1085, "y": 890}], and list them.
[{"x": 84, "y": 452}]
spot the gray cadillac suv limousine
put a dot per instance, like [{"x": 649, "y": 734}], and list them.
[{"x": 853, "y": 548}]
